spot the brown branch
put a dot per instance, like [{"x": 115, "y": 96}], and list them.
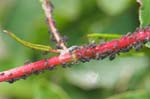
[
  {"x": 83, "y": 54},
  {"x": 48, "y": 9}
]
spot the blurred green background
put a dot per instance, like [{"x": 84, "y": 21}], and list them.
[{"x": 127, "y": 77}]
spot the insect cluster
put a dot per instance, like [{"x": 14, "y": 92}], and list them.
[
  {"x": 27, "y": 73},
  {"x": 110, "y": 49}
]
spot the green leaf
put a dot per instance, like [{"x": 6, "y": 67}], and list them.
[
  {"x": 114, "y": 8},
  {"x": 28, "y": 44},
  {"x": 49, "y": 91},
  {"x": 147, "y": 44},
  {"x": 144, "y": 16},
  {"x": 105, "y": 74},
  {"x": 100, "y": 37},
  {"x": 104, "y": 35}
]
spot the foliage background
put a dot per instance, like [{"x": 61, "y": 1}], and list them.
[{"x": 127, "y": 77}]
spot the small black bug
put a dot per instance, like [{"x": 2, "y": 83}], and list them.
[
  {"x": 12, "y": 80},
  {"x": 1, "y": 74},
  {"x": 27, "y": 62},
  {"x": 24, "y": 77},
  {"x": 138, "y": 46},
  {"x": 10, "y": 74},
  {"x": 51, "y": 68},
  {"x": 112, "y": 56}
]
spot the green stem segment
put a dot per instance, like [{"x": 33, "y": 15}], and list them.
[
  {"x": 28, "y": 44},
  {"x": 104, "y": 35}
]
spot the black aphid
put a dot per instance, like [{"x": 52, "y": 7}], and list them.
[
  {"x": 138, "y": 29},
  {"x": 84, "y": 59},
  {"x": 24, "y": 77},
  {"x": 112, "y": 56},
  {"x": 11, "y": 81},
  {"x": 58, "y": 46},
  {"x": 65, "y": 38},
  {"x": 124, "y": 50},
  {"x": 138, "y": 46},
  {"x": 92, "y": 45},
  {"x": 35, "y": 71},
  {"x": 129, "y": 34},
  {"x": 101, "y": 56},
  {"x": 145, "y": 41},
  {"x": 27, "y": 62},
  {"x": 52, "y": 39},
  {"x": 1, "y": 74},
  {"x": 72, "y": 48},
  {"x": 64, "y": 65},
  {"x": 74, "y": 62},
  {"x": 10, "y": 74},
  {"x": 50, "y": 68}
]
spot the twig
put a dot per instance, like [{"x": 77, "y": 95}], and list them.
[
  {"x": 83, "y": 54},
  {"x": 48, "y": 9},
  {"x": 31, "y": 45}
]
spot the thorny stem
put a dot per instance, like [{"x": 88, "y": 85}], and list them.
[
  {"x": 48, "y": 9},
  {"x": 84, "y": 54}
]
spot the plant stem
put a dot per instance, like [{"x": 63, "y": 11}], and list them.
[
  {"x": 48, "y": 9},
  {"x": 83, "y": 54}
]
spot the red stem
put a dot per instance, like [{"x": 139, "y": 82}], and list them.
[
  {"x": 84, "y": 54},
  {"x": 48, "y": 9}
]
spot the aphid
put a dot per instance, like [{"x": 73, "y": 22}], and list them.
[
  {"x": 72, "y": 48},
  {"x": 93, "y": 53},
  {"x": 45, "y": 53},
  {"x": 24, "y": 71},
  {"x": 84, "y": 59},
  {"x": 65, "y": 38},
  {"x": 10, "y": 74},
  {"x": 51, "y": 68},
  {"x": 48, "y": 29},
  {"x": 64, "y": 65},
  {"x": 27, "y": 62},
  {"x": 138, "y": 46},
  {"x": 24, "y": 77},
  {"x": 46, "y": 63},
  {"x": 52, "y": 38},
  {"x": 97, "y": 57},
  {"x": 124, "y": 50},
  {"x": 58, "y": 46},
  {"x": 34, "y": 71},
  {"x": 145, "y": 41},
  {"x": 112, "y": 56},
  {"x": 147, "y": 27},
  {"x": 74, "y": 62},
  {"x": 138, "y": 29},
  {"x": 101, "y": 56},
  {"x": 117, "y": 52},
  {"x": 1, "y": 74},
  {"x": 128, "y": 34},
  {"x": 115, "y": 46},
  {"x": 12, "y": 80},
  {"x": 92, "y": 45}
]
